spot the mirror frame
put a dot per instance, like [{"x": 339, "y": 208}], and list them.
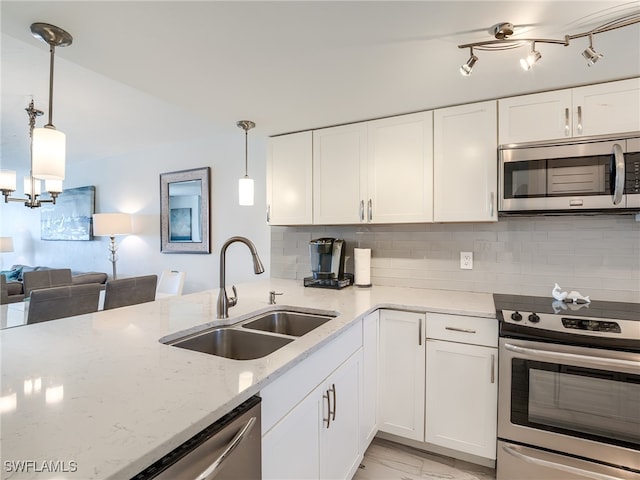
[{"x": 203, "y": 174}]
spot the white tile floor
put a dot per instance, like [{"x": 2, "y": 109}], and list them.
[{"x": 386, "y": 460}]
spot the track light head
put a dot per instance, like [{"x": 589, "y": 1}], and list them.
[
  {"x": 528, "y": 62},
  {"x": 591, "y": 56},
  {"x": 466, "y": 69}
]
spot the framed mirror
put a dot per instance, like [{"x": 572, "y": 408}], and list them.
[{"x": 184, "y": 211}]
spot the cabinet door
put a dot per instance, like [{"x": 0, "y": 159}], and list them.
[
  {"x": 290, "y": 180},
  {"x": 400, "y": 169},
  {"x": 402, "y": 370},
  {"x": 465, "y": 163},
  {"x": 291, "y": 449},
  {"x": 607, "y": 108},
  {"x": 339, "y": 174},
  {"x": 462, "y": 393},
  {"x": 340, "y": 440},
  {"x": 369, "y": 398},
  {"x": 535, "y": 117}
]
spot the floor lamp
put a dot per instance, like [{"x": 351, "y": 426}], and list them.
[{"x": 110, "y": 225}]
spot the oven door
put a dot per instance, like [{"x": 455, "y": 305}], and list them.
[{"x": 574, "y": 400}]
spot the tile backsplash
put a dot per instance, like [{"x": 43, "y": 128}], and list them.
[{"x": 598, "y": 256}]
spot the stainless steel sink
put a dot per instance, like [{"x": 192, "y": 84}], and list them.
[
  {"x": 233, "y": 343},
  {"x": 254, "y": 337},
  {"x": 286, "y": 322}
]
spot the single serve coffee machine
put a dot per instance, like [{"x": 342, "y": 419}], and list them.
[{"x": 327, "y": 264}]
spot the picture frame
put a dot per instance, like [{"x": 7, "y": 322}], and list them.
[
  {"x": 185, "y": 211},
  {"x": 71, "y": 217}
]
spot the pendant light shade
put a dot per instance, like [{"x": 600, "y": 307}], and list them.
[
  {"x": 245, "y": 192},
  {"x": 49, "y": 150},
  {"x": 245, "y": 184}
]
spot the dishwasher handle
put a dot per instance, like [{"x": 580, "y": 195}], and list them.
[{"x": 212, "y": 470}]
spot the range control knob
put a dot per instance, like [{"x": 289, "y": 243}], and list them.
[
  {"x": 516, "y": 317},
  {"x": 533, "y": 318}
]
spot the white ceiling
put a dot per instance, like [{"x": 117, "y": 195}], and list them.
[{"x": 151, "y": 72}]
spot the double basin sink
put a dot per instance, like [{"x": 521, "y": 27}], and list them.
[{"x": 255, "y": 337}]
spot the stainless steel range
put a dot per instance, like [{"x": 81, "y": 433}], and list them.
[{"x": 569, "y": 389}]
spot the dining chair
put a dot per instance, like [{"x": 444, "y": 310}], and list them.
[
  {"x": 171, "y": 282},
  {"x": 61, "y": 302},
  {"x": 130, "y": 291},
  {"x": 37, "y": 279}
]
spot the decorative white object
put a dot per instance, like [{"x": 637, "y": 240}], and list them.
[{"x": 570, "y": 297}]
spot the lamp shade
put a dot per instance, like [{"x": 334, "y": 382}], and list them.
[
  {"x": 110, "y": 224},
  {"x": 245, "y": 191},
  {"x": 8, "y": 180},
  {"x": 6, "y": 244},
  {"x": 48, "y": 153}
]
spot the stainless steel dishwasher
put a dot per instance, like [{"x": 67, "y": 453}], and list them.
[{"x": 229, "y": 449}]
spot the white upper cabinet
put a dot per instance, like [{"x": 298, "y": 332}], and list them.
[
  {"x": 531, "y": 118},
  {"x": 607, "y": 108},
  {"x": 602, "y": 109},
  {"x": 290, "y": 180},
  {"x": 339, "y": 174},
  {"x": 465, "y": 163},
  {"x": 400, "y": 169}
]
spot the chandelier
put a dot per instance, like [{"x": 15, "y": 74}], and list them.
[{"x": 47, "y": 145}]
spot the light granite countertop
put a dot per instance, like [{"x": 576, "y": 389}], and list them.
[{"x": 99, "y": 397}]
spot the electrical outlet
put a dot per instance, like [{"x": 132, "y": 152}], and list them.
[{"x": 466, "y": 260}]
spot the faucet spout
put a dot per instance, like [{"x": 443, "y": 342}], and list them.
[{"x": 224, "y": 302}]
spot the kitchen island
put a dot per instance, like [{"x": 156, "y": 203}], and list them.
[{"x": 102, "y": 397}]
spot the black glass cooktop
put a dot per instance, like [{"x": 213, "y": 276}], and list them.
[{"x": 547, "y": 305}]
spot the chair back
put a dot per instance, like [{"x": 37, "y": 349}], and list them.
[
  {"x": 130, "y": 291},
  {"x": 56, "y": 277},
  {"x": 61, "y": 302},
  {"x": 171, "y": 282},
  {"x": 4, "y": 290}
]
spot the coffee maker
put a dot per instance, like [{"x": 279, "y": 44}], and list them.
[{"x": 327, "y": 264}]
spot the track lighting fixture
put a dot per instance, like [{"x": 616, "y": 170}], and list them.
[
  {"x": 502, "y": 31},
  {"x": 528, "y": 62},
  {"x": 468, "y": 67},
  {"x": 590, "y": 54}
]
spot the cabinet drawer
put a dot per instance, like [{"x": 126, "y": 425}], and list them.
[{"x": 459, "y": 328}]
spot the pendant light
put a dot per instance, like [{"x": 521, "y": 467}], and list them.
[
  {"x": 245, "y": 184},
  {"x": 47, "y": 145}
]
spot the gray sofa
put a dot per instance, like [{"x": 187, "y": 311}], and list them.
[{"x": 12, "y": 281}]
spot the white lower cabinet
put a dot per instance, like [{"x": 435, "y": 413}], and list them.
[
  {"x": 317, "y": 434},
  {"x": 401, "y": 374},
  {"x": 462, "y": 384},
  {"x": 369, "y": 401}
]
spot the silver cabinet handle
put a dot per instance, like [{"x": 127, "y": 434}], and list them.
[
  {"x": 268, "y": 213},
  {"x": 213, "y": 469},
  {"x": 491, "y": 198},
  {"x": 618, "y": 159},
  {"x": 493, "y": 368},
  {"x": 335, "y": 407},
  {"x": 579, "y": 119},
  {"x": 567, "y": 132},
  {"x": 420, "y": 332},
  {"x": 362, "y": 210},
  {"x": 597, "y": 362},
  {"x": 463, "y": 330},
  {"x": 370, "y": 210},
  {"x": 557, "y": 466},
  {"x": 328, "y": 419}
]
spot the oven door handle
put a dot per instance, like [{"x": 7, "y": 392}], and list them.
[
  {"x": 581, "y": 359},
  {"x": 557, "y": 466},
  {"x": 618, "y": 172}
]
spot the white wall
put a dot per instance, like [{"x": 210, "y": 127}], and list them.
[{"x": 130, "y": 183}]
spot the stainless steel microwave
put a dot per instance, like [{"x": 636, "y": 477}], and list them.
[{"x": 589, "y": 175}]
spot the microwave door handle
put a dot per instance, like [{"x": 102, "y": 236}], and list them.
[{"x": 618, "y": 159}]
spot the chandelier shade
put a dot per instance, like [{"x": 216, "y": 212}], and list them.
[{"x": 49, "y": 150}]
